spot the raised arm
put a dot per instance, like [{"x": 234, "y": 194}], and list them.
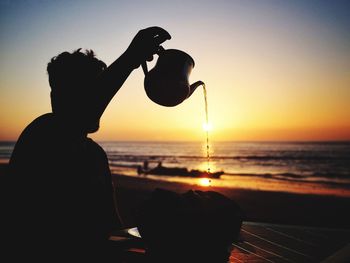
[{"x": 145, "y": 44}]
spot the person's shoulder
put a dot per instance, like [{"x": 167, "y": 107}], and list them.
[
  {"x": 43, "y": 120},
  {"x": 42, "y": 124},
  {"x": 38, "y": 130},
  {"x": 96, "y": 152},
  {"x": 94, "y": 146},
  {"x": 34, "y": 139}
]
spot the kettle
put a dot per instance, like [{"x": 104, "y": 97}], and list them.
[{"x": 167, "y": 83}]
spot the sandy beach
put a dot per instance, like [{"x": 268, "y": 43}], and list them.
[{"x": 260, "y": 206}]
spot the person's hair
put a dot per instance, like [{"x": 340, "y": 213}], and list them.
[
  {"x": 72, "y": 77},
  {"x": 73, "y": 69}
]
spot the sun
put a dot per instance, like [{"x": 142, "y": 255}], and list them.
[{"x": 207, "y": 126}]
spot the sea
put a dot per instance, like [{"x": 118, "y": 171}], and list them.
[{"x": 281, "y": 166}]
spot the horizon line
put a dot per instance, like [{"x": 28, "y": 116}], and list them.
[{"x": 243, "y": 141}]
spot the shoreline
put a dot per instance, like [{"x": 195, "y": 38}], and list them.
[{"x": 249, "y": 182}]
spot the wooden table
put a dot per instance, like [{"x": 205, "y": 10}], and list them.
[{"x": 260, "y": 242}]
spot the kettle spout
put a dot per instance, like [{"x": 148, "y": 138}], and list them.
[{"x": 194, "y": 86}]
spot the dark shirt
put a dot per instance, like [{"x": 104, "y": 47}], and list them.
[{"x": 61, "y": 187}]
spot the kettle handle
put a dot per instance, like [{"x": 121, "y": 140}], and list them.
[{"x": 144, "y": 64}]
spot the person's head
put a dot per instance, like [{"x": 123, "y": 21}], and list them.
[{"x": 71, "y": 77}]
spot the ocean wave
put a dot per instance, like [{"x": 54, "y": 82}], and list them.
[
  {"x": 292, "y": 177},
  {"x": 123, "y": 165},
  {"x": 113, "y": 156}
]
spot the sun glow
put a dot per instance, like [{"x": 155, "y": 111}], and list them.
[
  {"x": 204, "y": 166},
  {"x": 207, "y": 127},
  {"x": 204, "y": 182}
]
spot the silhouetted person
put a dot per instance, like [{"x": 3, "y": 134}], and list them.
[
  {"x": 61, "y": 188},
  {"x": 145, "y": 165},
  {"x": 139, "y": 170},
  {"x": 143, "y": 169}
]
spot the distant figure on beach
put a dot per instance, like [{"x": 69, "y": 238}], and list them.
[
  {"x": 145, "y": 165},
  {"x": 60, "y": 181},
  {"x": 142, "y": 170},
  {"x": 139, "y": 170}
]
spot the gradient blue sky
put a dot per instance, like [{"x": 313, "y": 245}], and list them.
[{"x": 274, "y": 69}]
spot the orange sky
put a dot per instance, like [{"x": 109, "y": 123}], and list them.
[{"x": 272, "y": 71}]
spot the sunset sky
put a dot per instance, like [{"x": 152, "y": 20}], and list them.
[{"x": 274, "y": 70}]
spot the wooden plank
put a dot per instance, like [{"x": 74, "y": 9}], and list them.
[
  {"x": 342, "y": 255},
  {"x": 275, "y": 248},
  {"x": 258, "y": 253},
  {"x": 271, "y": 243},
  {"x": 282, "y": 243},
  {"x": 278, "y": 240}
]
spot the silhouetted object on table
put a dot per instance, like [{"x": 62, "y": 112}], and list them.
[
  {"x": 192, "y": 227},
  {"x": 59, "y": 180},
  {"x": 167, "y": 83}
]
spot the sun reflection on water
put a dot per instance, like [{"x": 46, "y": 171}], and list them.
[
  {"x": 203, "y": 166},
  {"x": 204, "y": 182}
]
